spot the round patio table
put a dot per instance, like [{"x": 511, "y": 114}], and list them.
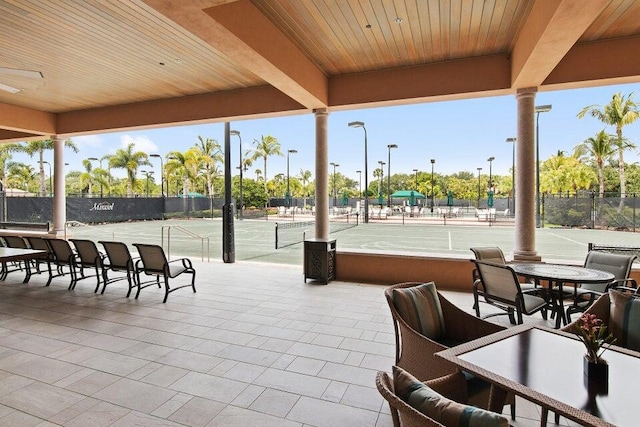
[{"x": 557, "y": 275}]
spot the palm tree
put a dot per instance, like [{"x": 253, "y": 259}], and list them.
[
  {"x": 305, "y": 178},
  {"x": 38, "y": 147},
  {"x": 210, "y": 154},
  {"x": 186, "y": 165},
  {"x": 600, "y": 148},
  {"x": 6, "y": 151},
  {"x": 621, "y": 111},
  {"x": 130, "y": 161},
  {"x": 258, "y": 174},
  {"x": 91, "y": 176},
  {"x": 20, "y": 175},
  {"x": 266, "y": 147}
]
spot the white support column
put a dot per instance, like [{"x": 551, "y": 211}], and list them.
[
  {"x": 525, "y": 229},
  {"x": 322, "y": 174},
  {"x": 59, "y": 196}
]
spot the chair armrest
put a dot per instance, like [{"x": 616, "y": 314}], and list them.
[
  {"x": 462, "y": 326},
  {"x": 631, "y": 283},
  {"x": 452, "y": 386}
]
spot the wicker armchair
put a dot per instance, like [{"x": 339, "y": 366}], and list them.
[
  {"x": 415, "y": 353},
  {"x": 452, "y": 386}
]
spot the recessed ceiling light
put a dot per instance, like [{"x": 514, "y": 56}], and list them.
[
  {"x": 398, "y": 21},
  {"x": 178, "y": 61}
]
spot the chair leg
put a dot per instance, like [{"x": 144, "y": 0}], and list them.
[
  {"x": 543, "y": 417},
  {"x": 513, "y": 409},
  {"x": 193, "y": 282},
  {"x": 166, "y": 289}
]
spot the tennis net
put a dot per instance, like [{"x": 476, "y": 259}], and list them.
[{"x": 291, "y": 233}]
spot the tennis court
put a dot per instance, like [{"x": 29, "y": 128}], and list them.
[{"x": 255, "y": 239}]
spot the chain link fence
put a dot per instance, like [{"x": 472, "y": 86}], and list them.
[{"x": 588, "y": 210}]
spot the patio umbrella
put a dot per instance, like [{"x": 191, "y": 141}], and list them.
[
  {"x": 380, "y": 198},
  {"x": 345, "y": 199},
  {"x": 449, "y": 198},
  {"x": 490, "y": 199},
  {"x": 412, "y": 198},
  {"x": 407, "y": 194}
]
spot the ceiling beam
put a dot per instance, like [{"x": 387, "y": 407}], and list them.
[
  {"x": 262, "y": 101},
  {"x": 7, "y": 136},
  {"x": 432, "y": 82},
  {"x": 614, "y": 65},
  {"x": 241, "y": 32},
  {"x": 552, "y": 28},
  {"x": 26, "y": 120}
]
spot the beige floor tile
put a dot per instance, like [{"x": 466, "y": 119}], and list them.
[
  {"x": 197, "y": 412},
  {"x": 135, "y": 395},
  {"x": 244, "y": 372},
  {"x": 335, "y": 391},
  {"x": 101, "y": 415},
  {"x": 321, "y": 413},
  {"x": 46, "y": 370},
  {"x": 11, "y": 383},
  {"x": 304, "y": 365},
  {"x": 232, "y": 416},
  {"x": 292, "y": 382},
  {"x": 275, "y": 402},
  {"x": 255, "y": 356},
  {"x": 41, "y": 400},
  {"x": 362, "y": 397},
  {"x": 17, "y": 418},
  {"x": 92, "y": 383},
  {"x": 142, "y": 420},
  {"x": 208, "y": 386},
  {"x": 319, "y": 352},
  {"x": 164, "y": 376},
  {"x": 350, "y": 374}
]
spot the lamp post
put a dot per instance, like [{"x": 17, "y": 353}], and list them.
[
  {"x": 287, "y": 198},
  {"x": 240, "y": 201},
  {"x": 479, "y": 169},
  {"x": 381, "y": 163},
  {"x": 390, "y": 146},
  {"x": 490, "y": 160},
  {"x": 50, "y": 182},
  {"x": 360, "y": 182},
  {"x": 539, "y": 109},
  {"x": 162, "y": 180},
  {"x": 513, "y": 174},
  {"x": 366, "y": 170},
  {"x": 433, "y": 162},
  {"x": 335, "y": 165},
  {"x": 147, "y": 174},
  {"x": 416, "y": 172}
]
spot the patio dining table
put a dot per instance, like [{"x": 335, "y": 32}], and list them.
[
  {"x": 557, "y": 275},
  {"x": 18, "y": 254},
  {"x": 545, "y": 366}
]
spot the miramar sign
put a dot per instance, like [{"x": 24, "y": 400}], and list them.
[{"x": 103, "y": 206}]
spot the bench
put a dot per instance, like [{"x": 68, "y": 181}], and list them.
[
  {"x": 625, "y": 250},
  {"x": 43, "y": 226}
]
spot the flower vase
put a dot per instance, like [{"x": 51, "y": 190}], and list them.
[{"x": 595, "y": 371}]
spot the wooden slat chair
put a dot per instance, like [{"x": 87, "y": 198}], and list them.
[
  {"x": 154, "y": 262},
  {"x": 63, "y": 257},
  {"x": 39, "y": 243},
  {"x": 118, "y": 259},
  {"x": 89, "y": 257}
]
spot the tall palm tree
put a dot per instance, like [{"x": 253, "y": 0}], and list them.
[
  {"x": 21, "y": 175},
  {"x": 600, "y": 149},
  {"x": 621, "y": 111},
  {"x": 266, "y": 147},
  {"x": 6, "y": 154},
  {"x": 186, "y": 164},
  {"x": 210, "y": 153},
  {"x": 258, "y": 174},
  {"x": 38, "y": 147},
  {"x": 92, "y": 176},
  {"x": 130, "y": 161},
  {"x": 305, "y": 178}
]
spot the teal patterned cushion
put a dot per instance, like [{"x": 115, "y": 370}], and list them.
[
  {"x": 624, "y": 319},
  {"x": 419, "y": 306},
  {"x": 439, "y": 408}
]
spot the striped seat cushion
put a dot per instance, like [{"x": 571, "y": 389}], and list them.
[
  {"x": 624, "y": 319},
  {"x": 419, "y": 306},
  {"x": 439, "y": 408}
]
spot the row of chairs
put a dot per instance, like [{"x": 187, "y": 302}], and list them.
[{"x": 84, "y": 260}]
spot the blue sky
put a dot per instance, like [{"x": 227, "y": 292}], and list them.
[{"x": 460, "y": 135}]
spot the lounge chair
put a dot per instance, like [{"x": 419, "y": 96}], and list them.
[
  {"x": 88, "y": 257},
  {"x": 154, "y": 262},
  {"x": 63, "y": 257},
  {"x": 40, "y": 243}
]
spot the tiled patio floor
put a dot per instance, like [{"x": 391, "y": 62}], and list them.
[{"x": 254, "y": 347}]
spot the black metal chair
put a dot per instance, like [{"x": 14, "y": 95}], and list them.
[
  {"x": 15, "y": 242},
  {"x": 63, "y": 257},
  {"x": 118, "y": 259},
  {"x": 154, "y": 262},
  {"x": 40, "y": 243},
  {"x": 88, "y": 257}
]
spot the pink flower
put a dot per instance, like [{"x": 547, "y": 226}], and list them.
[{"x": 593, "y": 334}]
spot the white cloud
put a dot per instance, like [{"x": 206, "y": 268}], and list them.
[
  {"x": 140, "y": 143},
  {"x": 88, "y": 141}
]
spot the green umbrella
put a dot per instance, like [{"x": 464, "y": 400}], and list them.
[
  {"x": 449, "y": 198},
  {"x": 412, "y": 198},
  {"x": 287, "y": 199},
  {"x": 490, "y": 199},
  {"x": 345, "y": 199},
  {"x": 380, "y": 198}
]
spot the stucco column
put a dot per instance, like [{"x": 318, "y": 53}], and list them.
[
  {"x": 59, "y": 196},
  {"x": 525, "y": 229},
  {"x": 322, "y": 174}
]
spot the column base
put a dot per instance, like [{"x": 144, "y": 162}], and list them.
[{"x": 526, "y": 256}]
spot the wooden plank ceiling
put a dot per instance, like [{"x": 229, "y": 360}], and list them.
[{"x": 83, "y": 66}]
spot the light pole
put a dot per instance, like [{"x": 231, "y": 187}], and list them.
[
  {"x": 416, "y": 172},
  {"x": 539, "y": 109},
  {"x": 335, "y": 197},
  {"x": 240, "y": 201},
  {"x": 490, "y": 160},
  {"x": 381, "y": 163},
  {"x": 360, "y": 182},
  {"x": 162, "y": 180},
  {"x": 287, "y": 198},
  {"x": 513, "y": 174},
  {"x": 147, "y": 174},
  {"x": 479, "y": 169},
  {"x": 433, "y": 162},
  {"x": 366, "y": 170},
  {"x": 50, "y": 183},
  {"x": 390, "y": 146}
]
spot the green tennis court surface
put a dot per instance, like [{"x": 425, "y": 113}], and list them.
[{"x": 255, "y": 239}]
